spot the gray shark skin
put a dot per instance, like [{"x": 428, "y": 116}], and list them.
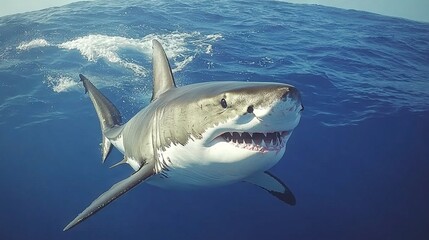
[{"x": 199, "y": 135}]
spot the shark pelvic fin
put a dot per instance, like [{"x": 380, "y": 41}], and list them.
[
  {"x": 113, "y": 193},
  {"x": 119, "y": 163},
  {"x": 273, "y": 185},
  {"x": 108, "y": 114},
  {"x": 162, "y": 75}
]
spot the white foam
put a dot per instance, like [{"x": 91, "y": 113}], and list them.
[
  {"x": 95, "y": 47},
  {"x": 98, "y": 46},
  {"x": 61, "y": 83},
  {"x": 181, "y": 49},
  {"x": 182, "y": 64},
  {"x": 177, "y": 46},
  {"x": 211, "y": 38},
  {"x": 23, "y": 46}
]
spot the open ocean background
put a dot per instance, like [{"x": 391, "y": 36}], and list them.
[{"x": 358, "y": 163}]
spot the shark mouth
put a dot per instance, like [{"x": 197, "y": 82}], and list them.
[{"x": 260, "y": 142}]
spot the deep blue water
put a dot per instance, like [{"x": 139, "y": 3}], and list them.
[{"x": 358, "y": 163}]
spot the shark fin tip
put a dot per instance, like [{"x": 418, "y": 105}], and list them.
[
  {"x": 286, "y": 197},
  {"x": 82, "y": 79}
]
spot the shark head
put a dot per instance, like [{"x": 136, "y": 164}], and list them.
[
  {"x": 259, "y": 117},
  {"x": 225, "y": 130}
]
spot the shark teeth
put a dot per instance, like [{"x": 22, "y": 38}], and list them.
[{"x": 261, "y": 142}]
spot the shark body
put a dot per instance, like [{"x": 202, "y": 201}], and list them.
[{"x": 199, "y": 135}]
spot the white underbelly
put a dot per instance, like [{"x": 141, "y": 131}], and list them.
[{"x": 215, "y": 166}]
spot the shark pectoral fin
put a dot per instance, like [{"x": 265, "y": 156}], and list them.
[
  {"x": 273, "y": 185},
  {"x": 113, "y": 193}
]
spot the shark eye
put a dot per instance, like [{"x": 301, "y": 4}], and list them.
[{"x": 223, "y": 103}]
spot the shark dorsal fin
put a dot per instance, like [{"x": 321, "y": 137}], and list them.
[{"x": 162, "y": 74}]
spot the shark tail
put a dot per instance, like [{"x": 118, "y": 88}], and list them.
[{"x": 108, "y": 114}]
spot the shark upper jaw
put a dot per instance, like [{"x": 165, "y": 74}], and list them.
[
  {"x": 256, "y": 141},
  {"x": 267, "y": 130},
  {"x": 252, "y": 136}
]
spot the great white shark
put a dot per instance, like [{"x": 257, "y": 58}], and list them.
[{"x": 199, "y": 135}]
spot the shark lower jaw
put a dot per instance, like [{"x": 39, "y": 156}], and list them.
[{"x": 256, "y": 141}]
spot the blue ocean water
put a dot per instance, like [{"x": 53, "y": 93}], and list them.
[{"x": 358, "y": 162}]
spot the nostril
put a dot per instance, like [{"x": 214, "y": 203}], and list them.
[
  {"x": 250, "y": 109},
  {"x": 290, "y": 93}
]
